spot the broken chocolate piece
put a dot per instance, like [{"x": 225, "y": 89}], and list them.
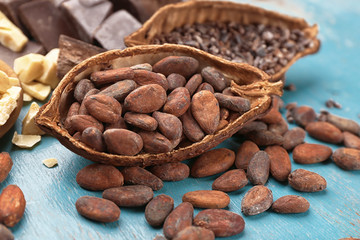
[
  {"x": 112, "y": 31},
  {"x": 85, "y": 17},
  {"x": 45, "y": 22},
  {"x": 10, "y": 9},
  {"x": 72, "y": 52},
  {"x": 9, "y": 56}
]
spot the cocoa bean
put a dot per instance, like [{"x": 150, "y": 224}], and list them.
[
  {"x": 177, "y": 102},
  {"x": 97, "y": 209},
  {"x": 222, "y": 124},
  {"x": 185, "y": 66},
  {"x": 191, "y": 128},
  {"x": 205, "y": 109},
  {"x": 325, "y": 132},
  {"x": 293, "y": 137},
  {"x": 252, "y": 126},
  {"x": 303, "y": 115},
  {"x": 290, "y": 204},
  {"x": 231, "y": 181},
  {"x": 222, "y": 222},
  {"x": 175, "y": 80},
  {"x": 144, "y": 77},
  {"x": 82, "y": 87},
  {"x": 233, "y": 103},
  {"x": 158, "y": 209},
  {"x": 176, "y": 171},
  {"x": 207, "y": 199},
  {"x": 155, "y": 142},
  {"x": 119, "y": 90},
  {"x": 5, "y": 233},
  {"x": 351, "y": 140},
  {"x": 258, "y": 168},
  {"x": 224, "y": 113},
  {"x": 73, "y": 110},
  {"x": 12, "y": 205},
  {"x": 227, "y": 91},
  {"x": 195, "y": 233},
  {"x": 82, "y": 109},
  {"x": 273, "y": 116},
  {"x": 129, "y": 196},
  {"x": 6, "y": 164},
  {"x": 257, "y": 200},
  {"x": 343, "y": 124},
  {"x": 306, "y": 181},
  {"x": 141, "y": 120},
  {"x": 279, "y": 128},
  {"x": 119, "y": 124},
  {"x": 215, "y": 78},
  {"x": 98, "y": 177},
  {"x": 111, "y": 76},
  {"x": 141, "y": 176},
  {"x": 193, "y": 83},
  {"x": 205, "y": 86},
  {"x": 244, "y": 154},
  {"x": 103, "y": 108},
  {"x": 265, "y": 138},
  {"x": 347, "y": 158},
  {"x": 123, "y": 142},
  {"x": 145, "y": 99},
  {"x": 280, "y": 164},
  {"x": 81, "y": 122},
  {"x": 142, "y": 66},
  {"x": 93, "y": 138},
  {"x": 180, "y": 218},
  {"x": 212, "y": 162},
  {"x": 169, "y": 125},
  {"x": 308, "y": 153}
]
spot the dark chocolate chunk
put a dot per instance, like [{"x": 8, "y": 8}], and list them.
[
  {"x": 86, "y": 18},
  {"x": 10, "y": 9},
  {"x": 72, "y": 52},
  {"x": 112, "y": 31},
  {"x": 9, "y": 56},
  {"x": 45, "y": 22}
]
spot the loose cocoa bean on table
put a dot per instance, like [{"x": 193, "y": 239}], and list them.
[{"x": 6, "y": 164}]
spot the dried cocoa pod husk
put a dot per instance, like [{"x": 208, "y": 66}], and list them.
[
  {"x": 246, "y": 81},
  {"x": 172, "y": 16}
]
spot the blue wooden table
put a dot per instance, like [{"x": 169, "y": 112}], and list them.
[{"x": 333, "y": 73}]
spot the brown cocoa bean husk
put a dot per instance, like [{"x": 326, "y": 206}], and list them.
[
  {"x": 169, "y": 125},
  {"x": 12, "y": 205},
  {"x": 212, "y": 162},
  {"x": 180, "y": 218},
  {"x": 82, "y": 87},
  {"x": 178, "y": 102},
  {"x": 141, "y": 176},
  {"x": 111, "y": 76},
  {"x": 252, "y": 126},
  {"x": 141, "y": 120},
  {"x": 144, "y": 77},
  {"x": 265, "y": 138},
  {"x": 191, "y": 128},
  {"x": 257, "y": 200},
  {"x": 98, "y": 177},
  {"x": 309, "y": 153},
  {"x": 206, "y": 111},
  {"x": 303, "y": 115},
  {"x": 175, "y": 80},
  {"x": 171, "y": 171},
  {"x": 280, "y": 164},
  {"x": 207, "y": 199},
  {"x": 233, "y": 103},
  {"x": 232, "y": 180},
  {"x": 97, "y": 209},
  {"x": 293, "y": 138},
  {"x": 351, "y": 140},
  {"x": 119, "y": 90},
  {"x": 123, "y": 141},
  {"x": 92, "y": 137},
  {"x": 193, "y": 83},
  {"x": 155, "y": 142},
  {"x": 5, "y": 233},
  {"x": 222, "y": 222},
  {"x": 325, "y": 132},
  {"x": 185, "y": 66},
  {"x": 244, "y": 154},
  {"x": 6, "y": 164},
  {"x": 279, "y": 128},
  {"x": 195, "y": 233},
  {"x": 306, "y": 181},
  {"x": 129, "y": 196},
  {"x": 344, "y": 124},
  {"x": 258, "y": 168},
  {"x": 290, "y": 204},
  {"x": 215, "y": 78},
  {"x": 205, "y": 86},
  {"x": 158, "y": 209},
  {"x": 347, "y": 158},
  {"x": 145, "y": 99},
  {"x": 81, "y": 122}
]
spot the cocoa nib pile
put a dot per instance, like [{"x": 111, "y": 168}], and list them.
[{"x": 266, "y": 47}]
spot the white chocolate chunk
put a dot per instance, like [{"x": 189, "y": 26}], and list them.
[
  {"x": 8, "y": 102},
  {"x": 10, "y": 35},
  {"x": 29, "y": 126},
  {"x": 25, "y": 141},
  {"x": 37, "y": 90},
  {"x": 49, "y": 73},
  {"x": 53, "y": 55},
  {"x": 7, "y": 82},
  {"x": 29, "y": 67},
  {"x": 51, "y": 162},
  {"x": 27, "y": 97}
]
